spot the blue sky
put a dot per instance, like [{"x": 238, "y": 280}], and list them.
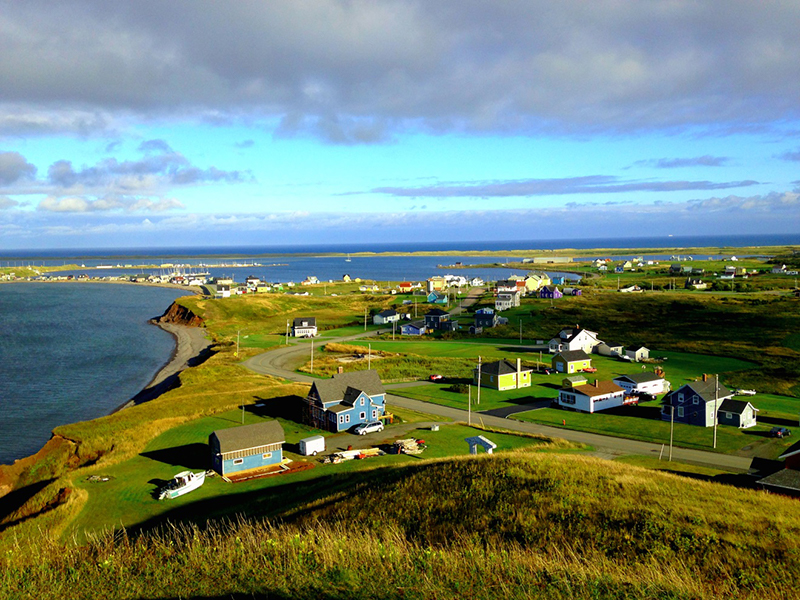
[{"x": 194, "y": 122}]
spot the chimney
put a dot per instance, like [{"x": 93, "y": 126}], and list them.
[
  {"x": 705, "y": 376},
  {"x": 596, "y": 383},
  {"x": 519, "y": 373}
]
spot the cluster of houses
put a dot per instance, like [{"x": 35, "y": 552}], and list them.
[
  {"x": 509, "y": 292},
  {"x": 336, "y": 404}
]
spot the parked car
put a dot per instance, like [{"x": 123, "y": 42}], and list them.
[
  {"x": 365, "y": 428},
  {"x": 780, "y": 432},
  {"x": 436, "y": 377}
]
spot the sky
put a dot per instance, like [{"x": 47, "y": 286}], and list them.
[{"x": 169, "y": 124}]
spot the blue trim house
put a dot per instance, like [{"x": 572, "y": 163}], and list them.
[
  {"x": 437, "y": 298},
  {"x": 346, "y": 400},
  {"x": 247, "y": 447},
  {"x": 413, "y": 328}
]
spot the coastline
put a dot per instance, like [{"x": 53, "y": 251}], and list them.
[{"x": 191, "y": 345}]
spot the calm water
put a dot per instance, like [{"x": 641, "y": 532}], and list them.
[{"x": 71, "y": 352}]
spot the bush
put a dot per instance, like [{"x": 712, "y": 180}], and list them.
[{"x": 459, "y": 388}]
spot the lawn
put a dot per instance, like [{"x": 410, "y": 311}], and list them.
[
  {"x": 640, "y": 423},
  {"x": 126, "y": 499}
]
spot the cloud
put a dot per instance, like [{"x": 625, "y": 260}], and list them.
[
  {"x": 6, "y": 202},
  {"x": 675, "y": 163},
  {"x": 154, "y": 146},
  {"x": 245, "y": 144},
  {"x": 354, "y": 71},
  {"x": 14, "y": 167},
  {"x": 73, "y": 204},
  {"x": 590, "y": 184},
  {"x": 790, "y": 156}
]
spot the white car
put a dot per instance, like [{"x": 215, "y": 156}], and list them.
[{"x": 366, "y": 428}]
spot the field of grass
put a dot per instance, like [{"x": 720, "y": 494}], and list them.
[{"x": 509, "y": 525}]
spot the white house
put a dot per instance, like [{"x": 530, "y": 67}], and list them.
[
  {"x": 574, "y": 339},
  {"x": 304, "y": 327},
  {"x": 506, "y": 300},
  {"x": 643, "y": 383},
  {"x": 637, "y": 352},
  {"x": 592, "y": 397},
  {"x": 386, "y": 316}
]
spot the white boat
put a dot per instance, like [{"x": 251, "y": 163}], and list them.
[
  {"x": 183, "y": 483},
  {"x": 347, "y": 259}
]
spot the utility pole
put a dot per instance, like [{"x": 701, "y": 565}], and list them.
[
  {"x": 520, "y": 331},
  {"x": 369, "y": 356},
  {"x": 479, "y": 380},
  {"x": 365, "y": 318},
  {"x": 394, "y": 326},
  {"x": 237, "y": 343},
  {"x": 287, "y": 332},
  {"x": 671, "y": 427},
  {"x": 469, "y": 405},
  {"x": 716, "y": 398},
  {"x": 312, "y": 355}
]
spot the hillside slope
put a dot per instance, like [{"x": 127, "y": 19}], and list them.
[{"x": 519, "y": 525}]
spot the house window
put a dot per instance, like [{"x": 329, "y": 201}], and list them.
[
  {"x": 347, "y": 418},
  {"x": 695, "y": 400},
  {"x": 362, "y": 415},
  {"x": 238, "y": 461},
  {"x": 266, "y": 455},
  {"x": 568, "y": 398},
  {"x": 680, "y": 397},
  {"x": 374, "y": 414},
  {"x": 341, "y": 418},
  {"x": 680, "y": 411},
  {"x": 362, "y": 402},
  {"x": 728, "y": 415}
]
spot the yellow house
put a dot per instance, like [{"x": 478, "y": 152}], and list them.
[{"x": 502, "y": 375}]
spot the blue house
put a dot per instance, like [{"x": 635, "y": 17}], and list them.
[
  {"x": 247, "y": 447},
  {"x": 696, "y": 403},
  {"x": 437, "y": 298},
  {"x": 557, "y": 280},
  {"x": 346, "y": 400},
  {"x": 413, "y": 328}
]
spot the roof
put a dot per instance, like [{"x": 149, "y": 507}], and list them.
[
  {"x": 704, "y": 389},
  {"x": 572, "y": 355},
  {"x": 640, "y": 377},
  {"x": 600, "y": 389},
  {"x": 343, "y": 385},
  {"x": 500, "y": 367},
  {"x": 575, "y": 378},
  {"x": 636, "y": 348},
  {"x": 417, "y": 324},
  {"x": 387, "y": 313},
  {"x": 305, "y": 322},
  {"x": 787, "y": 479},
  {"x": 249, "y": 436},
  {"x": 735, "y": 406},
  {"x": 611, "y": 344},
  {"x": 436, "y": 312}
]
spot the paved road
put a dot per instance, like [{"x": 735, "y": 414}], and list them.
[{"x": 281, "y": 362}]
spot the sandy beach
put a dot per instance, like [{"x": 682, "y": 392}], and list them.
[{"x": 191, "y": 345}]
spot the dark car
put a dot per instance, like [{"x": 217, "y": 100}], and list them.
[{"x": 780, "y": 432}]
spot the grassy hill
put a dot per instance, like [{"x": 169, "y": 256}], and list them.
[{"x": 526, "y": 525}]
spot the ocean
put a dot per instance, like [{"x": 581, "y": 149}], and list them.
[{"x": 71, "y": 352}]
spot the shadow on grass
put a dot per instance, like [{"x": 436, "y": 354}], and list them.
[
  {"x": 189, "y": 456},
  {"x": 778, "y": 421},
  {"x": 289, "y": 408},
  {"x": 15, "y": 500},
  {"x": 641, "y": 412}
]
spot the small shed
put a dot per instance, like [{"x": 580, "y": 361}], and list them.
[
  {"x": 574, "y": 381},
  {"x": 481, "y": 441},
  {"x": 246, "y": 447},
  {"x": 739, "y": 413}
]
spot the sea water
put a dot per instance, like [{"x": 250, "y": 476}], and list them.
[{"x": 71, "y": 352}]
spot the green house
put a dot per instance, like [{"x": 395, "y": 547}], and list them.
[{"x": 502, "y": 375}]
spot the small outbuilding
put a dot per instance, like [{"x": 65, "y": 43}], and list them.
[
  {"x": 247, "y": 447},
  {"x": 571, "y": 361},
  {"x": 739, "y": 413}
]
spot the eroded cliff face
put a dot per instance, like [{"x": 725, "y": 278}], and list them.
[{"x": 180, "y": 315}]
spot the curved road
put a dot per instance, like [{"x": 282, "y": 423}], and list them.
[{"x": 280, "y": 362}]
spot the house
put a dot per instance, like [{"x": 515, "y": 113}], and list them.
[
  {"x": 310, "y": 280},
  {"x": 345, "y": 400},
  {"x": 574, "y": 381},
  {"x": 246, "y": 447},
  {"x": 592, "y": 397},
  {"x": 304, "y": 327},
  {"x": 437, "y": 298},
  {"x": 550, "y": 291},
  {"x": 502, "y": 375},
  {"x": 252, "y": 282},
  {"x": 476, "y": 282},
  {"x": 558, "y": 280},
  {"x": 609, "y": 349},
  {"x": 510, "y": 285},
  {"x": 787, "y": 480},
  {"x": 693, "y": 283},
  {"x": 779, "y": 270},
  {"x": 738, "y": 413},
  {"x": 536, "y": 281},
  {"x": 386, "y": 316},
  {"x": 571, "y": 361},
  {"x": 642, "y": 383},
  {"x": 346, "y": 278},
  {"x": 436, "y": 284},
  {"x": 675, "y": 269},
  {"x": 637, "y": 352},
  {"x": 413, "y": 328},
  {"x": 506, "y": 300},
  {"x": 619, "y": 269},
  {"x": 486, "y": 318},
  {"x": 439, "y": 320},
  {"x": 694, "y": 403},
  {"x": 223, "y": 291},
  {"x": 572, "y": 291},
  {"x": 406, "y": 287},
  {"x": 574, "y": 339}
]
